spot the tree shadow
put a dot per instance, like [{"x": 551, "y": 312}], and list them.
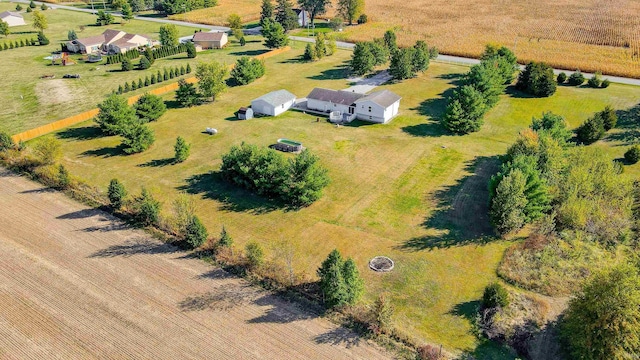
[
  {"x": 280, "y": 311},
  {"x": 628, "y": 127},
  {"x": 140, "y": 246},
  {"x": 81, "y": 133},
  {"x": 172, "y": 104},
  {"x": 232, "y": 198},
  {"x": 249, "y": 52},
  {"x": 158, "y": 163},
  {"x": 517, "y": 94},
  {"x": 105, "y": 152},
  {"x": 294, "y": 60},
  {"x": 434, "y": 109},
  {"x": 336, "y": 73},
  {"x": 221, "y": 299},
  {"x": 83, "y": 214},
  {"x": 339, "y": 337},
  {"x": 215, "y": 274},
  {"x": 461, "y": 211},
  {"x": 468, "y": 310}
]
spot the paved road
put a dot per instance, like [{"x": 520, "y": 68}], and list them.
[
  {"x": 75, "y": 283},
  {"x": 344, "y": 45}
]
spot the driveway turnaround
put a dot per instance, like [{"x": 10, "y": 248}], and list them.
[{"x": 76, "y": 283}]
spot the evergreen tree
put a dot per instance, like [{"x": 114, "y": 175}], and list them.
[
  {"x": 537, "y": 79},
  {"x": 137, "y": 138},
  {"x": 126, "y": 65},
  {"x": 63, "y": 178},
  {"x": 115, "y": 115},
  {"x": 508, "y": 204},
  {"x": 191, "y": 51},
  {"x": 309, "y": 52},
  {"x": 353, "y": 281},
  {"x": 465, "y": 111},
  {"x": 390, "y": 41},
  {"x": 285, "y": 15},
  {"x": 181, "y": 149},
  {"x": 71, "y": 35},
  {"x": 306, "y": 179},
  {"x": 187, "y": 94},
  {"x": 225, "y": 238},
  {"x": 554, "y": 126},
  {"x": 320, "y": 48},
  {"x": 147, "y": 82},
  {"x": 116, "y": 193},
  {"x": 196, "y": 233},
  {"x": 591, "y": 130},
  {"x": 506, "y": 61},
  {"x": 266, "y": 11},
  {"x": 362, "y": 60},
  {"x": 609, "y": 118},
  {"x": 332, "y": 283},
  {"x": 486, "y": 78},
  {"x": 149, "y": 107},
  {"x": 188, "y": 69},
  {"x": 274, "y": 34},
  {"x": 147, "y": 208},
  {"x": 401, "y": 66},
  {"x": 140, "y": 83},
  {"x": 420, "y": 61},
  {"x": 255, "y": 254},
  {"x": 144, "y": 63}
]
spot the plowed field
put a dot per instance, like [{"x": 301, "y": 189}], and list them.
[{"x": 78, "y": 284}]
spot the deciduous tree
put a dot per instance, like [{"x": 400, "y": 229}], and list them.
[
  {"x": 169, "y": 35},
  {"x": 40, "y": 22},
  {"x": 350, "y": 9},
  {"x": 211, "y": 79}
]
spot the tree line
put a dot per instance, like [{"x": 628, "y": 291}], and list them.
[{"x": 158, "y": 77}]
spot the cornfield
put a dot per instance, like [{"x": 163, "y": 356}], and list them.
[{"x": 590, "y": 35}]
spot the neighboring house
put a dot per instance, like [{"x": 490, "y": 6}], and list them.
[
  {"x": 273, "y": 103},
  {"x": 210, "y": 40},
  {"x": 303, "y": 17},
  {"x": 12, "y": 18},
  {"x": 111, "y": 42},
  {"x": 378, "y": 107}
]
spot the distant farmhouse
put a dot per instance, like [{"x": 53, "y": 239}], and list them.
[
  {"x": 303, "y": 17},
  {"x": 110, "y": 42},
  {"x": 273, "y": 103},
  {"x": 210, "y": 40},
  {"x": 379, "y": 107},
  {"x": 12, "y": 18}
]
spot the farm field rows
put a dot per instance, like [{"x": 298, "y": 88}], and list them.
[
  {"x": 29, "y": 101},
  {"x": 570, "y": 34},
  {"x": 78, "y": 284},
  {"x": 407, "y": 190}
]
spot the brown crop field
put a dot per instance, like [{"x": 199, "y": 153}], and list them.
[
  {"x": 589, "y": 35},
  {"x": 78, "y": 284}
]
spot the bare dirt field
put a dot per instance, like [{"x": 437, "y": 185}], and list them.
[
  {"x": 52, "y": 92},
  {"x": 78, "y": 284}
]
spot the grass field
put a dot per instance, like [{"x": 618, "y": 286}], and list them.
[
  {"x": 28, "y": 101},
  {"x": 405, "y": 190},
  {"x": 571, "y": 34}
]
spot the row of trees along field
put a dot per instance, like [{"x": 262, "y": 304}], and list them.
[
  {"x": 405, "y": 63},
  {"x": 167, "y": 7},
  {"x": 282, "y": 12}
]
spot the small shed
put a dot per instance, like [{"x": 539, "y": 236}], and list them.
[
  {"x": 273, "y": 103},
  {"x": 245, "y": 113}
]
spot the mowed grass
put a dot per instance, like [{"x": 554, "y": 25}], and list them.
[
  {"x": 407, "y": 190},
  {"x": 28, "y": 101}
]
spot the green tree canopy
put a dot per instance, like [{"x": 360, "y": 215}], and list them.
[
  {"x": 211, "y": 78},
  {"x": 274, "y": 34},
  {"x": 115, "y": 115},
  {"x": 314, "y": 7},
  {"x": 465, "y": 111},
  {"x": 362, "y": 60},
  {"x": 169, "y": 35},
  {"x": 350, "y": 10},
  {"x": 507, "y": 207},
  {"x": 285, "y": 15},
  {"x": 40, "y": 22},
  {"x": 149, "y": 107}
]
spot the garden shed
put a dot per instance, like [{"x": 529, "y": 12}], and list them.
[
  {"x": 273, "y": 103},
  {"x": 245, "y": 113}
]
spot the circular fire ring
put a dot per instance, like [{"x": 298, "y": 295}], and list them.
[{"x": 381, "y": 264}]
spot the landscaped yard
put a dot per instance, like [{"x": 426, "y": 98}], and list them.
[
  {"x": 407, "y": 190},
  {"x": 29, "y": 101}
]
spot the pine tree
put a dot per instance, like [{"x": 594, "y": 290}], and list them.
[
  {"x": 196, "y": 233},
  {"x": 267, "y": 11},
  {"x": 147, "y": 82},
  {"x": 362, "y": 60},
  {"x": 225, "y": 238},
  {"x": 353, "y": 281},
  {"x": 320, "y": 48},
  {"x": 153, "y": 79},
  {"x": 188, "y": 69},
  {"x": 309, "y": 52},
  {"x": 116, "y": 193},
  {"x": 332, "y": 283},
  {"x": 285, "y": 15},
  {"x": 508, "y": 204},
  {"x": 181, "y": 149},
  {"x": 465, "y": 111},
  {"x": 140, "y": 83}
]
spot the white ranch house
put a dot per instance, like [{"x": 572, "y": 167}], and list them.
[
  {"x": 378, "y": 107},
  {"x": 12, "y": 18},
  {"x": 110, "y": 42},
  {"x": 273, "y": 103}
]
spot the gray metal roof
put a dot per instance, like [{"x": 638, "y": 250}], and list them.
[
  {"x": 277, "y": 97},
  {"x": 383, "y": 98},
  {"x": 334, "y": 96},
  {"x": 9, "y": 13}
]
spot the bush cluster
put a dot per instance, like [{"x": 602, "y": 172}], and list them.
[
  {"x": 537, "y": 79},
  {"x": 495, "y": 295},
  {"x": 247, "y": 70},
  {"x": 298, "y": 181},
  {"x": 594, "y": 128},
  {"x": 18, "y": 44},
  {"x": 159, "y": 77},
  {"x": 480, "y": 90},
  {"x": 633, "y": 154}
]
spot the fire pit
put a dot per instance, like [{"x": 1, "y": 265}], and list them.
[{"x": 381, "y": 264}]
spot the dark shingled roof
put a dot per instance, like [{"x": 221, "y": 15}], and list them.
[
  {"x": 208, "y": 36},
  {"x": 335, "y": 96},
  {"x": 383, "y": 98}
]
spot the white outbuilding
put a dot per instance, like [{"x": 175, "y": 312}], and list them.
[
  {"x": 379, "y": 107},
  {"x": 273, "y": 103},
  {"x": 12, "y": 18}
]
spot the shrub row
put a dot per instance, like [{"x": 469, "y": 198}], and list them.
[
  {"x": 118, "y": 58},
  {"x": 157, "y": 53},
  {"x": 577, "y": 79},
  {"x": 154, "y": 79},
  {"x": 298, "y": 181},
  {"x": 18, "y": 44}
]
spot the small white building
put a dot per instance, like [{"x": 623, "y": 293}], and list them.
[
  {"x": 12, "y": 18},
  {"x": 303, "y": 17},
  {"x": 273, "y": 103},
  {"x": 379, "y": 107},
  {"x": 210, "y": 40}
]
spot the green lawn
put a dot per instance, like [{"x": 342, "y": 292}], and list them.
[
  {"x": 29, "y": 101},
  {"x": 407, "y": 190},
  {"x": 322, "y": 26}
]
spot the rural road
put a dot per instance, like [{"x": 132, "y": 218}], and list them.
[
  {"x": 340, "y": 44},
  {"x": 76, "y": 283}
]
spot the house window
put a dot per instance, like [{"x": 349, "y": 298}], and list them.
[
  {"x": 370, "y": 117},
  {"x": 334, "y": 105},
  {"x": 369, "y": 108}
]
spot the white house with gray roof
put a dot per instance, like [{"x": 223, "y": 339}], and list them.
[
  {"x": 273, "y": 103},
  {"x": 379, "y": 106},
  {"x": 12, "y": 18}
]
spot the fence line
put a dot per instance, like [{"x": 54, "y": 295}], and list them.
[{"x": 76, "y": 119}]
